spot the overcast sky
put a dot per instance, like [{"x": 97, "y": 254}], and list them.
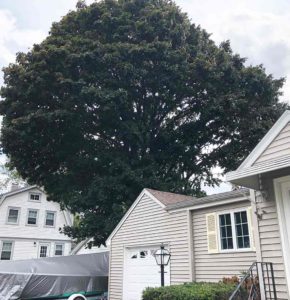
[{"x": 257, "y": 29}]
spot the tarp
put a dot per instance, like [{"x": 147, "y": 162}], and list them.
[{"x": 33, "y": 278}]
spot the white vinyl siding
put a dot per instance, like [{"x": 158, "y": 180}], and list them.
[
  {"x": 278, "y": 148},
  {"x": 270, "y": 240},
  {"x": 149, "y": 224},
  {"x": 214, "y": 266}
]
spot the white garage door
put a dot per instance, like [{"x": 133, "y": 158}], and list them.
[{"x": 141, "y": 271}]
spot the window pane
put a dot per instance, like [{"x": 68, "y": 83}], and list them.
[
  {"x": 247, "y": 242},
  {"x": 230, "y": 243},
  {"x": 244, "y": 217},
  {"x": 13, "y": 215},
  {"x": 222, "y": 220},
  {"x": 242, "y": 230},
  {"x": 6, "y": 251},
  {"x": 237, "y": 218},
  {"x": 35, "y": 197},
  {"x": 224, "y": 244},
  {"x": 226, "y": 232},
  {"x": 240, "y": 242},
  {"x": 245, "y": 229},
  {"x": 58, "y": 249},
  {"x": 49, "y": 219},
  {"x": 32, "y": 217},
  {"x": 228, "y": 219},
  {"x": 229, "y": 231},
  {"x": 239, "y": 230}
]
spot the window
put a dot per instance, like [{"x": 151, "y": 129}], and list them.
[
  {"x": 43, "y": 250},
  {"x": 234, "y": 231},
  {"x": 226, "y": 232},
  {"x": 32, "y": 217},
  {"x": 6, "y": 251},
  {"x": 13, "y": 214},
  {"x": 34, "y": 196},
  {"x": 49, "y": 218},
  {"x": 58, "y": 249},
  {"x": 242, "y": 230}
]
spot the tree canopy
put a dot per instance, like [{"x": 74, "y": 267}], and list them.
[{"x": 129, "y": 94}]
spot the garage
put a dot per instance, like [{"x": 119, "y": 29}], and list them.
[{"x": 141, "y": 271}]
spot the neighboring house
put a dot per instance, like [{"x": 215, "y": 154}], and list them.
[
  {"x": 83, "y": 248},
  {"x": 215, "y": 236},
  {"x": 29, "y": 225}
]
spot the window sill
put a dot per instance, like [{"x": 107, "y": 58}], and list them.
[{"x": 236, "y": 251}]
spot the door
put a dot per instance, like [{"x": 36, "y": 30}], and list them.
[
  {"x": 43, "y": 250},
  {"x": 282, "y": 194},
  {"x": 141, "y": 271}
]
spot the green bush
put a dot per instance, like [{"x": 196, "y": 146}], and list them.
[{"x": 190, "y": 291}]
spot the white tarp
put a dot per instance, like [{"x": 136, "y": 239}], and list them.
[{"x": 43, "y": 277}]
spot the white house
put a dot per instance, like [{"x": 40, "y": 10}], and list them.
[
  {"x": 29, "y": 225},
  {"x": 215, "y": 236}
]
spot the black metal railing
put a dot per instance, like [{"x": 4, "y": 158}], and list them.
[{"x": 259, "y": 274}]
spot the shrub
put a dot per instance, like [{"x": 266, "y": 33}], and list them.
[{"x": 190, "y": 291}]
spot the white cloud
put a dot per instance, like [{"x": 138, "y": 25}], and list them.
[
  {"x": 14, "y": 39},
  {"x": 258, "y": 30}
]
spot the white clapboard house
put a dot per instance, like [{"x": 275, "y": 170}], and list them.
[{"x": 29, "y": 225}]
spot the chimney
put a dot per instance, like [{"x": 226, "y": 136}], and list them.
[{"x": 14, "y": 186}]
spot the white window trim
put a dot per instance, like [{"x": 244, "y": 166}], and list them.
[
  {"x": 37, "y": 216},
  {"x": 12, "y": 248},
  {"x": 34, "y": 193},
  {"x": 48, "y": 249},
  {"x": 19, "y": 210},
  {"x": 63, "y": 247},
  {"x": 54, "y": 220},
  {"x": 235, "y": 249}
]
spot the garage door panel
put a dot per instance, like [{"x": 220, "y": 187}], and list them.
[{"x": 141, "y": 271}]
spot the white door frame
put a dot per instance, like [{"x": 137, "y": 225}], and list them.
[{"x": 282, "y": 215}]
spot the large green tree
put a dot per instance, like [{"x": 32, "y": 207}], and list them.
[{"x": 129, "y": 94}]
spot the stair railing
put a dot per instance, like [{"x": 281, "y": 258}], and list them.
[{"x": 249, "y": 286}]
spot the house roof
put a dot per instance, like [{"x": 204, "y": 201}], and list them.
[
  {"x": 167, "y": 198},
  {"x": 17, "y": 191},
  {"x": 248, "y": 172},
  {"x": 210, "y": 199},
  {"x": 171, "y": 201}
]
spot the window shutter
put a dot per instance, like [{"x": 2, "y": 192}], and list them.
[
  {"x": 251, "y": 229},
  {"x": 212, "y": 242}
]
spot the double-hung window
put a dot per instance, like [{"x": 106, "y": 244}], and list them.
[
  {"x": 234, "y": 231},
  {"x": 13, "y": 215},
  {"x": 58, "y": 251},
  {"x": 6, "y": 250},
  {"x": 50, "y": 218},
  {"x": 32, "y": 217}
]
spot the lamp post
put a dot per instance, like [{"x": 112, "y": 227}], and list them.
[{"x": 162, "y": 257}]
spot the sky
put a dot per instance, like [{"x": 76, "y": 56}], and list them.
[{"x": 258, "y": 30}]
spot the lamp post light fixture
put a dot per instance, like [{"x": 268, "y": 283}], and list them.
[{"x": 162, "y": 257}]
